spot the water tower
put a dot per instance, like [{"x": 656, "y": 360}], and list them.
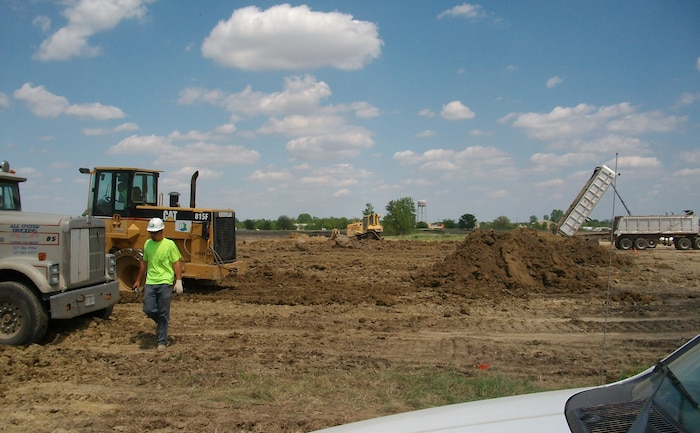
[{"x": 422, "y": 211}]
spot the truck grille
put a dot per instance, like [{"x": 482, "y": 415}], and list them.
[
  {"x": 87, "y": 256},
  {"x": 225, "y": 236}
]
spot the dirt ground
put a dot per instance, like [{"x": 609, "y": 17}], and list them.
[{"x": 310, "y": 335}]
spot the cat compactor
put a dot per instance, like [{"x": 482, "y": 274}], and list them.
[{"x": 127, "y": 198}]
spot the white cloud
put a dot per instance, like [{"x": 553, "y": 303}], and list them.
[
  {"x": 426, "y": 113},
  {"x": 124, "y": 127},
  {"x": 455, "y": 110},
  {"x": 464, "y": 10},
  {"x": 554, "y": 82},
  {"x": 584, "y": 119},
  {"x": 195, "y": 153},
  {"x": 86, "y": 18},
  {"x": 4, "y": 101},
  {"x": 42, "y": 22},
  {"x": 426, "y": 133},
  {"x": 348, "y": 143},
  {"x": 292, "y": 38},
  {"x": 43, "y": 103},
  {"x": 471, "y": 162}
]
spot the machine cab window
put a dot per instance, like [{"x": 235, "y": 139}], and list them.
[
  {"x": 9, "y": 196},
  {"x": 119, "y": 192}
]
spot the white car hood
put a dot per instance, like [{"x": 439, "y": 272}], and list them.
[{"x": 540, "y": 412}]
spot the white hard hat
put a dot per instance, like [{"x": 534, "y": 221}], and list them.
[{"x": 155, "y": 225}]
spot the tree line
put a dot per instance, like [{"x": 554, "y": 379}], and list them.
[{"x": 400, "y": 218}]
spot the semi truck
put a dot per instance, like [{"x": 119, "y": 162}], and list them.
[{"x": 51, "y": 267}]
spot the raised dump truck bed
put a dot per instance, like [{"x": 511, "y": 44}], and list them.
[{"x": 586, "y": 200}]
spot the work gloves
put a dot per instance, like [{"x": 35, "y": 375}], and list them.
[{"x": 177, "y": 288}]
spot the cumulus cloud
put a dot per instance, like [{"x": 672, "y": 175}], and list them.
[
  {"x": 474, "y": 161},
  {"x": 566, "y": 123},
  {"x": 426, "y": 113},
  {"x": 554, "y": 82},
  {"x": 193, "y": 153},
  {"x": 124, "y": 127},
  {"x": 4, "y": 101},
  {"x": 464, "y": 10},
  {"x": 85, "y": 19},
  {"x": 316, "y": 130},
  {"x": 284, "y": 37},
  {"x": 455, "y": 110},
  {"x": 43, "y": 103}
]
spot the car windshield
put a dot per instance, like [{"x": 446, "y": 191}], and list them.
[{"x": 678, "y": 392}]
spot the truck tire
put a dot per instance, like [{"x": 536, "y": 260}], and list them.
[
  {"x": 696, "y": 243},
  {"x": 683, "y": 244},
  {"x": 23, "y": 319},
  {"x": 652, "y": 242},
  {"x": 624, "y": 243},
  {"x": 641, "y": 244}
]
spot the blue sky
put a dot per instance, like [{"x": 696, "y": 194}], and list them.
[{"x": 319, "y": 107}]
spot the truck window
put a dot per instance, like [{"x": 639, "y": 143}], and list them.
[{"x": 9, "y": 196}]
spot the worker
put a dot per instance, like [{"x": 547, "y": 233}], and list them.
[
  {"x": 162, "y": 266},
  {"x": 121, "y": 197}
]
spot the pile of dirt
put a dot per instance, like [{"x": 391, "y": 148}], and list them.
[{"x": 495, "y": 264}]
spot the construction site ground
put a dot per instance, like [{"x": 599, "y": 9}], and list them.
[{"x": 318, "y": 331}]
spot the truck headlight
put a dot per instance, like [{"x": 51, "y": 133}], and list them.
[
  {"x": 54, "y": 273},
  {"x": 111, "y": 265}
]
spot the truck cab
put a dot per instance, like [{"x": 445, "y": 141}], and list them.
[{"x": 51, "y": 267}]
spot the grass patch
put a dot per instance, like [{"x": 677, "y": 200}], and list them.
[{"x": 383, "y": 391}]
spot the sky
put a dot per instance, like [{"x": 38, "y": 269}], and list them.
[{"x": 320, "y": 107}]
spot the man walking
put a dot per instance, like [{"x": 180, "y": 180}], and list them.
[{"x": 161, "y": 264}]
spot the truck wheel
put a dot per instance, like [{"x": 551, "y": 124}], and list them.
[
  {"x": 696, "y": 244},
  {"x": 624, "y": 243},
  {"x": 652, "y": 243},
  {"x": 23, "y": 319},
  {"x": 640, "y": 244},
  {"x": 683, "y": 244},
  {"x": 103, "y": 313}
]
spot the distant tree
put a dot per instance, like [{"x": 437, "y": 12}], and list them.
[
  {"x": 502, "y": 223},
  {"x": 556, "y": 215},
  {"x": 421, "y": 225},
  {"x": 449, "y": 224},
  {"x": 249, "y": 224},
  {"x": 285, "y": 223},
  {"x": 304, "y": 218},
  {"x": 264, "y": 224},
  {"x": 533, "y": 219},
  {"x": 369, "y": 209},
  {"x": 546, "y": 217},
  {"x": 467, "y": 221},
  {"x": 400, "y": 218}
]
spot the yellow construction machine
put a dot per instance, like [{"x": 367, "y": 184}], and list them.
[
  {"x": 368, "y": 228},
  {"x": 127, "y": 198}
]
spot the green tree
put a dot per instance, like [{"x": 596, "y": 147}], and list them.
[
  {"x": 304, "y": 218},
  {"x": 533, "y": 219},
  {"x": 449, "y": 224},
  {"x": 249, "y": 224},
  {"x": 556, "y": 215},
  {"x": 369, "y": 209},
  {"x": 467, "y": 221},
  {"x": 502, "y": 223},
  {"x": 400, "y": 216},
  {"x": 284, "y": 223}
]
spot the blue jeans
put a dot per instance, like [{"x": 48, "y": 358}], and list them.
[{"x": 156, "y": 305}]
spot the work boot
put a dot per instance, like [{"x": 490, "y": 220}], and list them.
[{"x": 161, "y": 348}]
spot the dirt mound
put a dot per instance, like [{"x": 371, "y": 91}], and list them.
[{"x": 495, "y": 264}]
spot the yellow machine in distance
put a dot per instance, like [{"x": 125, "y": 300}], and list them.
[
  {"x": 368, "y": 228},
  {"x": 127, "y": 198}
]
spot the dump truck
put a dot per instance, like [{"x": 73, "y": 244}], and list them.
[
  {"x": 642, "y": 232},
  {"x": 51, "y": 267},
  {"x": 368, "y": 228},
  {"x": 126, "y": 198}
]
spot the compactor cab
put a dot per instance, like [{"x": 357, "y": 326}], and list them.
[
  {"x": 368, "y": 228},
  {"x": 127, "y": 198}
]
